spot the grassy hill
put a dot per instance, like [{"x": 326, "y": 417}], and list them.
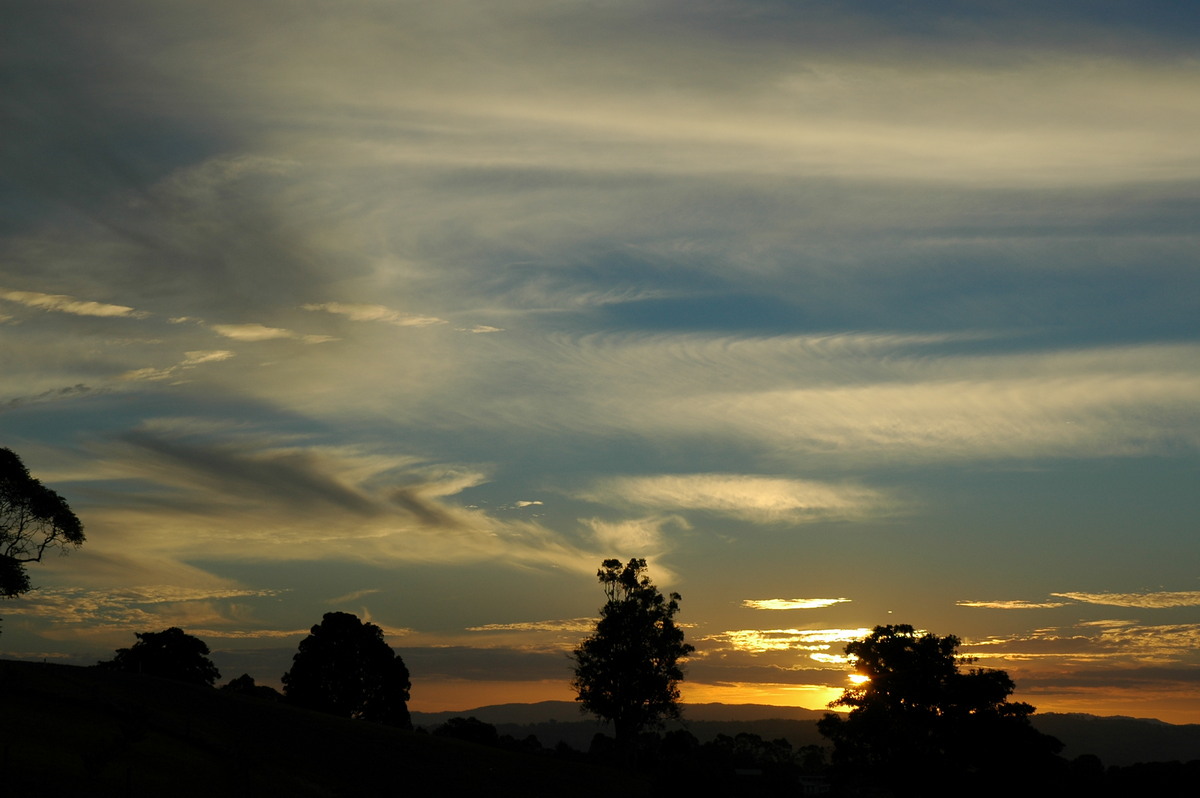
[{"x": 71, "y": 731}]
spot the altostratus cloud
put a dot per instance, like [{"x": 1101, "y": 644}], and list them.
[
  {"x": 752, "y": 498},
  {"x": 61, "y": 303}
]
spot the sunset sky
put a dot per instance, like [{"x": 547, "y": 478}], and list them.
[{"x": 839, "y": 313}]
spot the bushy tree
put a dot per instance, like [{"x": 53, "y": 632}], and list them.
[
  {"x": 244, "y": 685},
  {"x": 628, "y": 671},
  {"x": 33, "y": 520},
  {"x": 345, "y": 668},
  {"x": 916, "y": 712},
  {"x": 169, "y": 654}
]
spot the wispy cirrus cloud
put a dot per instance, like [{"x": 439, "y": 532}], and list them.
[
  {"x": 260, "y": 332},
  {"x": 755, "y": 498},
  {"x": 1014, "y": 604},
  {"x": 61, "y": 303},
  {"x": 191, "y": 360},
  {"x": 192, "y": 490},
  {"x": 354, "y": 596},
  {"x": 360, "y": 312},
  {"x": 556, "y": 625},
  {"x": 792, "y": 604},
  {"x": 1185, "y": 598}
]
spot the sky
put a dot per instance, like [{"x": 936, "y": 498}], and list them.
[{"x": 839, "y": 314}]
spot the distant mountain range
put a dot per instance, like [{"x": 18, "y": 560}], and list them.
[{"x": 1115, "y": 740}]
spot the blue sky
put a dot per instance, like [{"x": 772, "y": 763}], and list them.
[{"x": 839, "y": 314}]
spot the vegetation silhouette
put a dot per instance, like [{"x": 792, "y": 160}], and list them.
[
  {"x": 345, "y": 668},
  {"x": 33, "y": 520},
  {"x": 71, "y": 731},
  {"x": 169, "y": 654},
  {"x": 919, "y": 725},
  {"x": 245, "y": 685},
  {"x": 628, "y": 670}
]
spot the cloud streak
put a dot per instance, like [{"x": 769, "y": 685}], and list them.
[
  {"x": 791, "y": 604},
  {"x": 1186, "y": 598},
  {"x": 762, "y": 499},
  {"x": 59, "y": 303},
  {"x": 374, "y": 313}
]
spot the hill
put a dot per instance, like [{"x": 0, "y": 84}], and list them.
[
  {"x": 71, "y": 731},
  {"x": 1115, "y": 740}
]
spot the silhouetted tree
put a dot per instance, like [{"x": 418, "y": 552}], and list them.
[
  {"x": 169, "y": 654},
  {"x": 920, "y": 726},
  {"x": 345, "y": 668},
  {"x": 244, "y": 685},
  {"x": 33, "y": 520},
  {"x": 628, "y": 670}
]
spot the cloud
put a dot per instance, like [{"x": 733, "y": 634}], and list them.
[
  {"x": 234, "y": 494},
  {"x": 1187, "y": 598},
  {"x": 481, "y": 329},
  {"x": 355, "y": 596},
  {"x": 791, "y": 604},
  {"x": 559, "y": 625},
  {"x": 1012, "y": 604},
  {"x": 861, "y": 399},
  {"x": 59, "y": 303},
  {"x": 640, "y": 537},
  {"x": 379, "y": 313},
  {"x": 53, "y": 394},
  {"x": 524, "y": 503},
  {"x": 259, "y": 332},
  {"x": 1115, "y": 641},
  {"x": 191, "y": 360},
  {"x": 753, "y": 498},
  {"x": 81, "y": 611},
  {"x": 758, "y": 641}
]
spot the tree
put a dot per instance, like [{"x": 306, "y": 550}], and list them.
[
  {"x": 169, "y": 654},
  {"x": 345, "y": 668},
  {"x": 244, "y": 685},
  {"x": 628, "y": 670},
  {"x": 33, "y": 520},
  {"x": 916, "y": 712}
]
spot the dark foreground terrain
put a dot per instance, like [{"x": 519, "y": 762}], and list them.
[{"x": 71, "y": 731}]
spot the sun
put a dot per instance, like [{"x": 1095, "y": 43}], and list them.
[{"x": 858, "y": 678}]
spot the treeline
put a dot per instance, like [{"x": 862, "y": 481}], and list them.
[{"x": 344, "y": 668}]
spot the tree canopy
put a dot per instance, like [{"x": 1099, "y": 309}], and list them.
[
  {"x": 344, "y": 667},
  {"x": 628, "y": 671},
  {"x": 169, "y": 654},
  {"x": 33, "y": 520},
  {"x": 917, "y": 712}
]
